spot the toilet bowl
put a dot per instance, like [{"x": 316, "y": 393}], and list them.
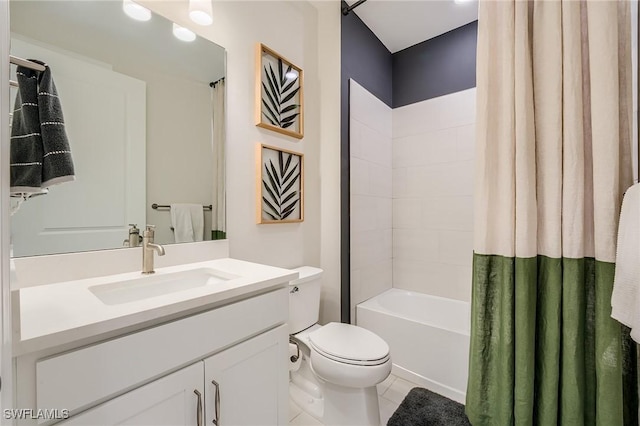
[{"x": 341, "y": 364}]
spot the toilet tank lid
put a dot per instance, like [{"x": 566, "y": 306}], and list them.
[{"x": 306, "y": 273}]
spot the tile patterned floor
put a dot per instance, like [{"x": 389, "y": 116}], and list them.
[{"x": 391, "y": 392}]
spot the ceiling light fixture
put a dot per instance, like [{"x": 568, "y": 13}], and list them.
[
  {"x": 462, "y": 1},
  {"x": 182, "y": 33},
  {"x": 200, "y": 12},
  {"x": 135, "y": 11}
]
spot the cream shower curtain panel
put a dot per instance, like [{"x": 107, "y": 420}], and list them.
[
  {"x": 219, "y": 219},
  {"x": 553, "y": 161}
]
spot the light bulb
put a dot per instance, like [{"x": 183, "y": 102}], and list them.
[
  {"x": 135, "y": 11},
  {"x": 200, "y": 12},
  {"x": 182, "y": 33}
]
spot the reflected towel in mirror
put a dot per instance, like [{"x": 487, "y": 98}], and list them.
[
  {"x": 40, "y": 153},
  {"x": 188, "y": 222}
]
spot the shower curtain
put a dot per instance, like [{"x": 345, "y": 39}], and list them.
[
  {"x": 553, "y": 161},
  {"x": 219, "y": 219}
]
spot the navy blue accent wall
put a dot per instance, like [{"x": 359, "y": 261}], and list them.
[
  {"x": 366, "y": 60},
  {"x": 438, "y": 66}
]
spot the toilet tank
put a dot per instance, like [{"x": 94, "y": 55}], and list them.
[{"x": 304, "y": 298}]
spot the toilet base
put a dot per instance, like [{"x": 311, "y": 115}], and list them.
[
  {"x": 338, "y": 405},
  {"x": 345, "y": 406}
]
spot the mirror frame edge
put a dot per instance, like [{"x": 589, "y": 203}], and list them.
[{"x": 6, "y": 333}]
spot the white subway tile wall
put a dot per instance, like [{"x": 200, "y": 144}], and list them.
[
  {"x": 432, "y": 187},
  {"x": 371, "y": 189}
]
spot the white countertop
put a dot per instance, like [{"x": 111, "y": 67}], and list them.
[{"x": 61, "y": 313}]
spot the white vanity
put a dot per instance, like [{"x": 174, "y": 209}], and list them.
[{"x": 211, "y": 352}]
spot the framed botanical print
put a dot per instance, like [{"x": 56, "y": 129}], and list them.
[
  {"x": 280, "y": 185},
  {"x": 279, "y": 93}
]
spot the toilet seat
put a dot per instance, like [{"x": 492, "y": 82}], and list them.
[{"x": 349, "y": 344}]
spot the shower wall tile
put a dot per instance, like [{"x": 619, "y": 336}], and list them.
[
  {"x": 448, "y": 213},
  {"x": 371, "y": 216},
  {"x": 433, "y": 170},
  {"x": 380, "y": 180},
  {"x": 444, "y": 112},
  {"x": 415, "y": 244},
  {"x": 363, "y": 213},
  {"x": 400, "y": 184},
  {"x": 443, "y": 180},
  {"x": 406, "y": 213},
  {"x": 365, "y": 108},
  {"x": 375, "y": 280},
  {"x": 359, "y": 170},
  {"x": 455, "y": 247},
  {"x": 466, "y": 142},
  {"x": 372, "y": 247},
  {"x": 437, "y": 279}
]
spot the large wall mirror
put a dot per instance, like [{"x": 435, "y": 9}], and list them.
[{"x": 144, "y": 112}]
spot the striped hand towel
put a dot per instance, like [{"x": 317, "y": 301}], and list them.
[{"x": 40, "y": 152}]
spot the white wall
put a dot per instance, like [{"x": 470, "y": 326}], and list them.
[
  {"x": 308, "y": 35},
  {"x": 433, "y": 153},
  {"x": 370, "y": 195}
]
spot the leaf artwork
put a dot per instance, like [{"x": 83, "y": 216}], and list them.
[
  {"x": 278, "y": 101},
  {"x": 281, "y": 197}
]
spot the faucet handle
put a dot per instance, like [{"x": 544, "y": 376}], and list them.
[{"x": 150, "y": 231}]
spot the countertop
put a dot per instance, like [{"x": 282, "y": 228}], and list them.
[{"x": 61, "y": 313}]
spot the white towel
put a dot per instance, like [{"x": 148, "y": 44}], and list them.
[
  {"x": 188, "y": 222},
  {"x": 625, "y": 300}
]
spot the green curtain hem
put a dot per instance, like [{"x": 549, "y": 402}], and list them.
[{"x": 544, "y": 348}]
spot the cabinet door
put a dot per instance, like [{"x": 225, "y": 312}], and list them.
[
  {"x": 168, "y": 401},
  {"x": 247, "y": 384}
]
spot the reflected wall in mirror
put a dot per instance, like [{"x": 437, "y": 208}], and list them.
[{"x": 139, "y": 111}]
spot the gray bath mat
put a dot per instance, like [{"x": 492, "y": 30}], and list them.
[{"x": 422, "y": 407}]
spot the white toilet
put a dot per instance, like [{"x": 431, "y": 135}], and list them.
[{"x": 339, "y": 365}]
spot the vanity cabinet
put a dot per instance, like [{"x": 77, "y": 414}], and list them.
[
  {"x": 241, "y": 385},
  {"x": 238, "y": 386},
  {"x": 170, "y": 401},
  {"x": 227, "y": 364}
]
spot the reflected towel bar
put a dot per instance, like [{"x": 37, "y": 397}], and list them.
[
  {"x": 26, "y": 63},
  {"x": 165, "y": 206}
]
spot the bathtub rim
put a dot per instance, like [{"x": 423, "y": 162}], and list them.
[{"x": 367, "y": 304}]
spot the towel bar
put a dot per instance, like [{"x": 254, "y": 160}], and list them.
[
  {"x": 166, "y": 206},
  {"x": 26, "y": 63}
]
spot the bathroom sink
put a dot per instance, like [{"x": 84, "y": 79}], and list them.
[{"x": 147, "y": 286}]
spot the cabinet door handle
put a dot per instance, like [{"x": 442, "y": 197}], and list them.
[
  {"x": 217, "y": 406},
  {"x": 199, "y": 407}
]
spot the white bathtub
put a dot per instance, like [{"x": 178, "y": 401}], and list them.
[{"x": 428, "y": 337}]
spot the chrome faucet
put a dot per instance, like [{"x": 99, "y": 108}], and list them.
[{"x": 148, "y": 247}]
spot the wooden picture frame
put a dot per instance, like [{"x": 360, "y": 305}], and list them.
[
  {"x": 279, "y": 185},
  {"x": 279, "y": 93}
]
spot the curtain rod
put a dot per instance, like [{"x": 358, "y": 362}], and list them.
[
  {"x": 213, "y": 83},
  {"x": 26, "y": 63},
  {"x": 347, "y": 9}
]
